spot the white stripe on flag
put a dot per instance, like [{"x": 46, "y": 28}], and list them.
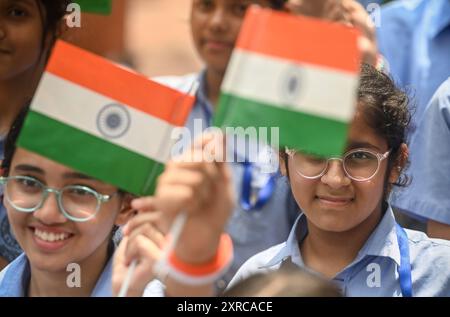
[
  {"x": 319, "y": 91},
  {"x": 145, "y": 135}
]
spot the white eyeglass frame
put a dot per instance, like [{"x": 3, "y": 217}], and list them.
[{"x": 291, "y": 153}]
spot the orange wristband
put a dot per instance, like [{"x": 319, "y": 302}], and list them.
[{"x": 204, "y": 273}]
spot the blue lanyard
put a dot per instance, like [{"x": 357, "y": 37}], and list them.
[
  {"x": 404, "y": 270},
  {"x": 263, "y": 195},
  {"x": 207, "y": 114}
]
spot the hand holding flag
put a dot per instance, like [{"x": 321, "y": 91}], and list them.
[{"x": 200, "y": 198}]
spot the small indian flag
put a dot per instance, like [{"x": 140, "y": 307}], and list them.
[
  {"x": 295, "y": 73},
  {"x": 103, "y": 120}
]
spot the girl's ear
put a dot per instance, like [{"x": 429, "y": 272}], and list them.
[
  {"x": 126, "y": 212},
  {"x": 399, "y": 164}
]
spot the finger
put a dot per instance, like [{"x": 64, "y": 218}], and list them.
[
  {"x": 174, "y": 198},
  {"x": 119, "y": 254},
  {"x": 142, "y": 250},
  {"x": 144, "y": 204},
  {"x": 150, "y": 231},
  {"x": 199, "y": 182},
  {"x": 142, "y": 218},
  {"x": 119, "y": 267}
]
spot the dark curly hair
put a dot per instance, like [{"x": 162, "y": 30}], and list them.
[{"x": 386, "y": 111}]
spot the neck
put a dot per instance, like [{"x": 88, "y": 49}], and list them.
[
  {"x": 311, "y": 8},
  {"x": 14, "y": 93},
  {"x": 329, "y": 252},
  {"x": 213, "y": 82},
  {"x": 45, "y": 283}
]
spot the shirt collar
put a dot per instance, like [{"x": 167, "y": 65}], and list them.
[
  {"x": 290, "y": 250},
  {"x": 439, "y": 9},
  {"x": 381, "y": 243},
  {"x": 103, "y": 288},
  {"x": 17, "y": 276}
]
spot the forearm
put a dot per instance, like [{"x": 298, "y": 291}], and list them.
[{"x": 176, "y": 289}]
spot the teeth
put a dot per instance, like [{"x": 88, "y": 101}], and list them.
[{"x": 50, "y": 236}]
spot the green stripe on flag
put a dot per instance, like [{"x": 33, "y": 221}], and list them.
[
  {"x": 89, "y": 154},
  {"x": 302, "y": 131},
  {"x": 96, "y": 6}
]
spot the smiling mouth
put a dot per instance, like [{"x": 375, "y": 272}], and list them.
[
  {"x": 334, "y": 201},
  {"x": 51, "y": 236},
  {"x": 218, "y": 45}
]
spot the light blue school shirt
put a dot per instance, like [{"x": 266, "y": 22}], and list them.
[
  {"x": 414, "y": 37},
  {"x": 428, "y": 195},
  {"x": 255, "y": 230},
  {"x": 15, "y": 279},
  {"x": 430, "y": 262}
]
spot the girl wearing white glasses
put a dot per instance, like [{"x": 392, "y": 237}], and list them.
[{"x": 347, "y": 231}]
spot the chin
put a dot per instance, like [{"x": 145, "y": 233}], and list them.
[
  {"x": 44, "y": 262},
  {"x": 333, "y": 223}
]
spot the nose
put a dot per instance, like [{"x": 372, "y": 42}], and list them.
[
  {"x": 218, "y": 19},
  {"x": 49, "y": 212},
  {"x": 335, "y": 176}
]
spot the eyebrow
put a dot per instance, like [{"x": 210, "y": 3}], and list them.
[
  {"x": 25, "y": 2},
  {"x": 358, "y": 144},
  {"x": 28, "y": 168},
  {"x": 78, "y": 175},
  {"x": 34, "y": 169}
]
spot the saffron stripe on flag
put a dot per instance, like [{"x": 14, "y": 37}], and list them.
[
  {"x": 299, "y": 38},
  {"x": 97, "y": 74}
]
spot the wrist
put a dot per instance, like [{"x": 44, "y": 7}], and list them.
[{"x": 205, "y": 272}]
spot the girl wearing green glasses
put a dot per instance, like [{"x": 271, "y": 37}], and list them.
[
  {"x": 347, "y": 231},
  {"x": 64, "y": 222}
]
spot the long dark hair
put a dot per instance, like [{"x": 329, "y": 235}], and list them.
[{"x": 52, "y": 12}]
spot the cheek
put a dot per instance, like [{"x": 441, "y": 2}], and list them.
[
  {"x": 96, "y": 230},
  {"x": 369, "y": 194},
  {"x": 27, "y": 43},
  {"x": 302, "y": 189},
  {"x": 18, "y": 220},
  {"x": 197, "y": 24},
  {"x": 236, "y": 28}
]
